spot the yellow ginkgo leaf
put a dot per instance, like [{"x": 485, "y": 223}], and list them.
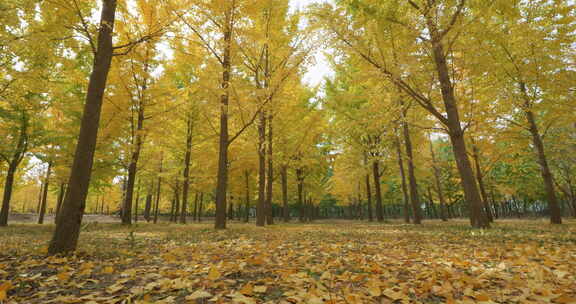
[
  {"x": 213, "y": 274},
  {"x": 63, "y": 276},
  {"x": 260, "y": 288},
  {"x": 199, "y": 294},
  {"x": 248, "y": 289}
]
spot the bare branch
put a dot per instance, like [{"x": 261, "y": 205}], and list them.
[{"x": 414, "y": 5}]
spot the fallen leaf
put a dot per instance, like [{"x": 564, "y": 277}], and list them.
[
  {"x": 260, "y": 288},
  {"x": 63, "y": 276},
  {"x": 394, "y": 295},
  {"x": 213, "y": 274},
  {"x": 565, "y": 299},
  {"x": 114, "y": 288},
  {"x": 482, "y": 297},
  {"x": 248, "y": 289},
  {"x": 199, "y": 294}
]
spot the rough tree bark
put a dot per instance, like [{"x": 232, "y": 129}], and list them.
[
  {"x": 456, "y": 133},
  {"x": 45, "y": 194},
  {"x": 438, "y": 184},
  {"x": 247, "y": 202},
  {"x": 369, "y": 198},
  {"x": 67, "y": 230},
  {"x": 133, "y": 166},
  {"x": 480, "y": 179},
  {"x": 13, "y": 163},
  {"x": 414, "y": 197},
  {"x": 60, "y": 199},
  {"x": 195, "y": 211},
  {"x": 148, "y": 206},
  {"x": 157, "y": 205},
  {"x": 300, "y": 185},
  {"x": 285, "y": 207},
  {"x": 378, "y": 191},
  {"x": 200, "y": 206},
  {"x": 403, "y": 179},
  {"x": 136, "y": 204},
  {"x": 177, "y": 204},
  {"x": 555, "y": 212},
  {"x": 186, "y": 183},
  {"x": 222, "y": 177},
  {"x": 270, "y": 176},
  {"x": 261, "y": 204}
]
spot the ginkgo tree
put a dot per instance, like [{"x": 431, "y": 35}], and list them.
[{"x": 168, "y": 109}]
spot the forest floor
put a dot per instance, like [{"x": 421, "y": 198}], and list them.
[{"x": 517, "y": 261}]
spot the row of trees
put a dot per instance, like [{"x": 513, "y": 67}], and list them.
[
  {"x": 155, "y": 89},
  {"x": 496, "y": 79},
  {"x": 186, "y": 106}
]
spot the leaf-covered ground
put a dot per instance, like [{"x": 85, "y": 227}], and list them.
[{"x": 325, "y": 262}]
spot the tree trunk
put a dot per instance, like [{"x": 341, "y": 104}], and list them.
[
  {"x": 300, "y": 180},
  {"x": 230, "y": 212},
  {"x": 378, "y": 194},
  {"x": 39, "y": 201},
  {"x": 200, "y": 206},
  {"x": 403, "y": 179},
  {"x": 60, "y": 199},
  {"x": 285, "y": 208},
  {"x": 45, "y": 194},
  {"x": 480, "y": 179},
  {"x": 101, "y": 204},
  {"x": 432, "y": 207},
  {"x": 471, "y": 194},
  {"x": 177, "y": 204},
  {"x": 270, "y": 177},
  {"x": 555, "y": 212},
  {"x": 572, "y": 197},
  {"x": 186, "y": 185},
  {"x": 67, "y": 230},
  {"x": 414, "y": 197},
  {"x": 148, "y": 207},
  {"x": 195, "y": 211},
  {"x": 247, "y": 202},
  {"x": 137, "y": 203},
  {"x": 222, "y": 178},
  {"x": 369, "y": 198},
  {"x": 261, "y": 204},
  {"x": 133, "y": 167},
  {"x": 157, "y": 206},
  {"x": 438, "y": 184},
  {"x": 12, "y": 166}
]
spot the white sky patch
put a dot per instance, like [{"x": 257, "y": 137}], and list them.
[{"x": 316, "y": 72}]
